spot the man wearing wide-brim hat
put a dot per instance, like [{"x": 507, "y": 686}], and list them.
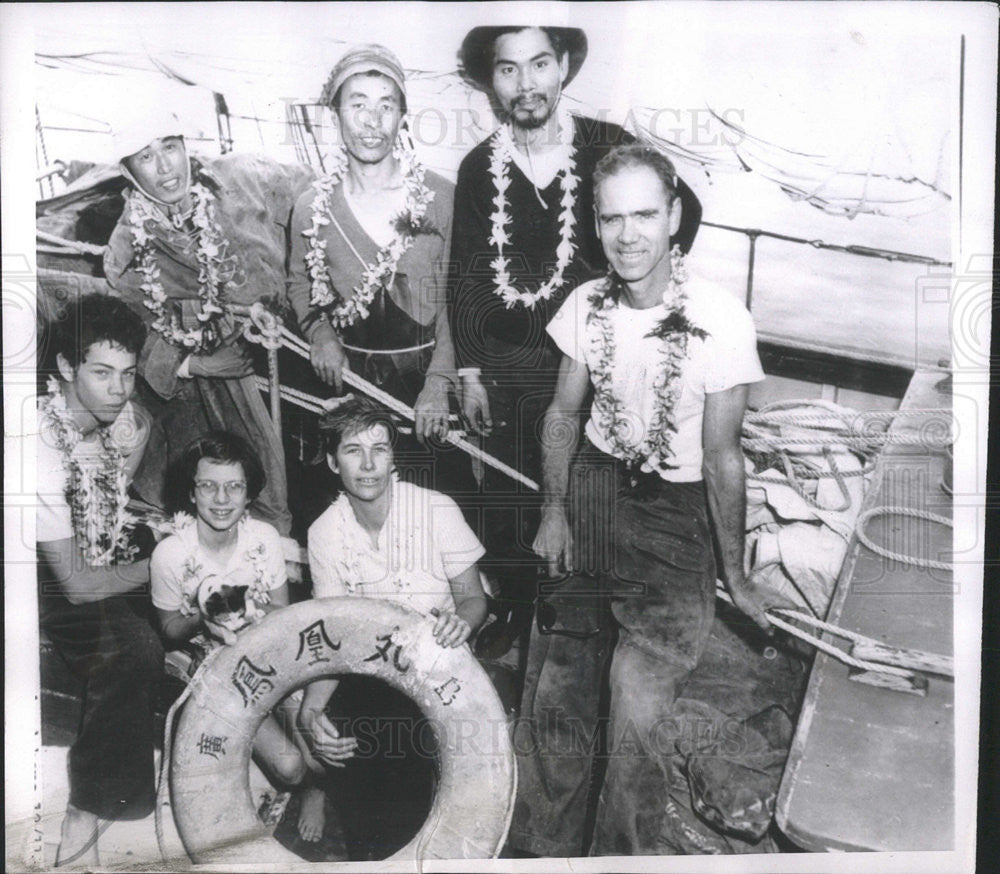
[
  {"x": 196, "y": 237},
  {"x": 524, "y": 238}
]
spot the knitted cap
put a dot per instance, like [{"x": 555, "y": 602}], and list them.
[{"x": 364, "y": 59}]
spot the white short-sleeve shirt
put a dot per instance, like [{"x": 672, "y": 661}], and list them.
[
  {"x": 726, "y": 357},
  {"x": 179, "y": 564},
  {"x": 425, "y": 541}
]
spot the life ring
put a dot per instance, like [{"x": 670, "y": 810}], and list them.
[{"x": 209, "y": 768}]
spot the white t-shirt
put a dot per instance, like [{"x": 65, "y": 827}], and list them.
[
  {"x": 179, "y": 564},
  {"x": 424, "y": 541},
  {"x": 53, "y": 518},
  {"x": 725, "y": 358}
]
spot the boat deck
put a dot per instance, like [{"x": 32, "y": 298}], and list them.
[{"x": 871, "y": 768}]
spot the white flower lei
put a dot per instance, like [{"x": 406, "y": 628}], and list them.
[
  {"x": 500, "y": 158},
  {"x": 255, "y": 555},
  {"x": 97, "y": 493},
  {"x": 344, "y": 313},
  {"x": 214, "y": 269},
  {"x": 654, "y": 451}
]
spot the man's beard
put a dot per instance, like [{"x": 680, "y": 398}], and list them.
[{"x": 528, "y": 120}]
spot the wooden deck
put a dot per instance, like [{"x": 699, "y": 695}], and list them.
[{"x": 869, "y": 768}]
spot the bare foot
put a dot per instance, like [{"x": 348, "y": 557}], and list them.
[
  {"x": 78, "y": 839},
  {"x": 312, "y": 817}
]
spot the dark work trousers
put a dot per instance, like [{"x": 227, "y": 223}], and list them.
[
  {"x": 650, "y": 582},
  {"x": 112, "y": 647},
  {"x": 436, "y": 464},
  {"x": 508, "y": 511}
]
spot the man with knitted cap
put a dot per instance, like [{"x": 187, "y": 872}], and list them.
[
  {"x": 368, "y": 270},
  {"x": 195, "y": 237},
  {"x": 524, "y": 238},
  {"x": 367, "y": 281}
]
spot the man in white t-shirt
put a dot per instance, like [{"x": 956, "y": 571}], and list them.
[
  {"x": 93, "y": 600},
  {"x": 660, "y": 473}
]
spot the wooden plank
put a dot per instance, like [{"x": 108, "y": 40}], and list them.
[
  {"x": 858, "y": 749},
  {"x": 824, "y": 367}
]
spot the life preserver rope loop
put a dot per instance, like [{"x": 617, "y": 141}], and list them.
[{"x": 229, "y": 699}]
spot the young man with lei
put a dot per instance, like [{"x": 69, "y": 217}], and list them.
[
  {"x": 93, "y": 597},
  {"x": 220, "y": 571},
  {"x": 390, "y": 539},
  {"x": 661, "y": 471},
  {"x": 368, "y": 270},
  {"x": 523, "y": 239},
  {"x": 195, "y": 238}
]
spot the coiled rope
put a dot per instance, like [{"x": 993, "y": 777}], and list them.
[{"x": 864, "y": 518}]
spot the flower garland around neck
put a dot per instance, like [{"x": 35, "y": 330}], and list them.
[
  {"x": 97, "y": 492},
  {"x": 653, "y": 452},
  {"x": 500, "y": 158},
  {"x": 256, "y": 555},
  {"x": 379, "y": 274},
  {"x": 215, "y": 268}
]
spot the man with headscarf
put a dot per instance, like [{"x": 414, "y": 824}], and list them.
[
  {"x": 368, "y": 271},
  {"x": 524, "y": 238},
  {"x": 196, "y": 237}
]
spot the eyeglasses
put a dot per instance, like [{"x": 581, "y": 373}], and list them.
[
  {"x": 207, "y": 488},
  {"x": 546, "y": 617}
]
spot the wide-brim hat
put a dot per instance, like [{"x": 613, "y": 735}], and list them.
[
  {"x": 367, "y": 58},
  {"x": 477, "y": 50}
]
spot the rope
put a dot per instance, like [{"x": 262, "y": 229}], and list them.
[
  {"x": 896, "y": 556},
  {"x": 418, "y": 348},
  {"x": 40, "y": 131},
  {"x": 831, "y": 650},
  {"x": 300, "y": 399},
  {"x": 763, "y": 443},
  {"x": 793, "y": 481},
  {"x": 312, "y": 403},
  {"x": 299, "y": 347},
  {"x": 71, "y": 245},
  {"x": 762, "y": 417},
  {"x": 810, "y": 473},
  {"x": 163, "y": 788}
]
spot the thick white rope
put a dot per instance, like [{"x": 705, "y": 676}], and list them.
[
  {"x": 69, "y": 245},
  {"x": 365, "y": 351},
  {"x": 299, "y": 347},
  {"x": 831, "y": 650},
  {"x": 163, "y": 788},
  {"x": 765, "y": 418},
  {"x": 896, "y": 556},
  {"x": 300, "y": 399}
]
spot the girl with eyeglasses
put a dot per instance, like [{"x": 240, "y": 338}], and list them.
[{"x": 221, "y": 570}]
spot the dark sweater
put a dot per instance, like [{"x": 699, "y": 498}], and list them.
[{"x": 486, "y": 334}]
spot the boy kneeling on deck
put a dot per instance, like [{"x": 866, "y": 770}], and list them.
[
  {"x": 93, "y": 601},
  {"x": 383, "y": 538}
]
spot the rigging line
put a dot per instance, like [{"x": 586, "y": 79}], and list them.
[
  {"x": 906, "y": 180},
  {"x": 851, "y": 249},
  {"x": 749, "y": 136}
]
